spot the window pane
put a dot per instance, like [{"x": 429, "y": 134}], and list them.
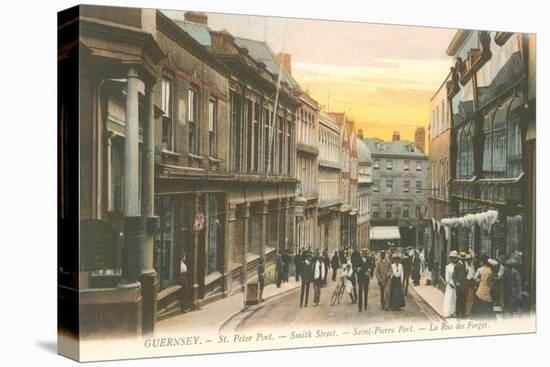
[{"x": 463, "y": 103}]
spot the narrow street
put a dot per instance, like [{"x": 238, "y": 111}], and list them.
[{"x": 285, "y": 310}]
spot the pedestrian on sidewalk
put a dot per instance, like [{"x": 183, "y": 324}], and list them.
[
  {"x": 286, "y": 265},
  {"x": 184, "y": 283},
  {"x": 261, "y": 277},
  {"x": 407, "y": 269},
  {"x": 383, "y": 275},
  {"x": 422, "y": 257},
  {"x": 513, "y": 281},
  {"x": 318, "y": 278},
  {"x": 397, "y": 298},
  {"x": 349, "y": 278},
  {"x": 483, "y": 302},
  {"x": 279, "y": 270},
  {"x": 459, "y": 280},
  {"x": 363, "y": 280},
  {"x": 326, "y": 261},
  {"x": 449, "y": 300},
  {"x": 415, "y": 266},
  {"x": 307, "y": 277},
  {"x": 335, "y": 265},
  {"x": 298, "y": 264},
  {"x": 429, "y": 267},
  {"x": 470, "y": 285}
]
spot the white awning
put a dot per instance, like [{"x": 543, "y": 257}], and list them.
[{"x": 385, "y": 233}]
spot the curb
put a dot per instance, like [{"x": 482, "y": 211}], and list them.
[
  {"x": 425, "y": 302},
  {"x": 253, "y": 309}
]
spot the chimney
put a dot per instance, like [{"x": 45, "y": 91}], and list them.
[
  {"x": 396, "y": 136},
  {"x": 420, "y": 138},
  {"x": 360, "y": 134},
  {"x": 196, "y": 17},
  {"x": 286, "y": 61}
]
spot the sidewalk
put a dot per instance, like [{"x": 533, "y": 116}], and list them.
[
  {"x": 432, "y": 295},
  {"x": 214, "y": 315}
]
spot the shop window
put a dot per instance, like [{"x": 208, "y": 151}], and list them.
[
  {"x": 164, "y": 241},
  {"x": 514, "y": 236},
  {"x": 215, "y": 238},
  {"x": 501, "y": 71}
]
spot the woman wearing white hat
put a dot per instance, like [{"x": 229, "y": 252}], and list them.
[{"x": 449, "y": 300}]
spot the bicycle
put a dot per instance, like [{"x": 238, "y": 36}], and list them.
[{"x": 338, "y": 293}]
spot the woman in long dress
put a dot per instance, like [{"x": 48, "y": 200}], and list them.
[
  {"x": 483, "y": 302},
  {"x": 397, "y": 299},
  {"x": 449, "y": 300}
]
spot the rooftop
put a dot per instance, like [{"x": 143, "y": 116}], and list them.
[{"x": 402, "y": 148}]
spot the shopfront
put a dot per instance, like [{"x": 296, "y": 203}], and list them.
[{"x": 489, "y": 120}]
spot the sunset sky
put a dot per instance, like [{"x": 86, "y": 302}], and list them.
[{"x": 383, "y": 76}]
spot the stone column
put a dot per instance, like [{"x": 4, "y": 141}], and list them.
[
  {"x": 195, "y": 272},
  {"x": 230, "y": 243},
  {"x": 264, "y": 212},
  {"x": 133, "y": 231},
  {"x": 148, "y": 277},
  {"x": 244, "y": 265}
]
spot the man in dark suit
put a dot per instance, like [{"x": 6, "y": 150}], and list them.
[
  {"x": 459, "y": 280},
  {"x": 298, "y": 262},
  {"x": 363, "y": 280},
  {"x": 335, "y": 265},
  {"x": 307, "y": 278}
]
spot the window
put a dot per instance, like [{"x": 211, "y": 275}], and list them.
[
  {"x": 418, "y": 166},
  {"x": 164, "y": 241},
  {"x": 389, "y": 185},
  {"x": 418, "y": 210},
  {"x": 215, "y": 237},
  {"x": 192, "y": 109},
  {"x": 257, "y": 132},
  {"x": 375, "y": 210},
  {"x": 465, "y": 154},
  {"x": 503, "y": 69},
  {"x": 212, "y": 125},
  {"x": 502, "y": 157},
  {"x": 167, "y": 114},
  {"x": 406, "y": 185},
  {"x": 389, "y": 165},
  {"x": 405, "y": 165},
  {"x": 406, "y": 211},
  {"x": 376, "y": 164},
  {"x": 418, "y": 187},
  {"x": 389, "y": 209},
  {"x": 463, "y": 103},
  {"x": 376, "y": 186}
]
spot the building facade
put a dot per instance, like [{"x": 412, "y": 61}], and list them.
[
  {"x": 438, "y": 180},
  {"x": 330, "y": 190},
  {"x": 364, "y": 192},
  {"x": 492, "y": 100},
  {"x": 399, "y": 195}
]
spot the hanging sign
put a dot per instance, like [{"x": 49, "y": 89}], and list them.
[{"x": 198, "y": 223}]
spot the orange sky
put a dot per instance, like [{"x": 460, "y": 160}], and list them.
[{"x": 382, "y": 75}]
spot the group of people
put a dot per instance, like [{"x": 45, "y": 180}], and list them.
[
  {"x": 355, "y": 270},
  {"x": 474, "y": 293}
]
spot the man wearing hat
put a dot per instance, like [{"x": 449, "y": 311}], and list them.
[
  {"x": 470, "y": 285},
  {"x": 383, "y": 275},
  {"x": 449, "y": 300},
  {"x": 363, "y": 279},
  {"x": 459, "y": 280}
]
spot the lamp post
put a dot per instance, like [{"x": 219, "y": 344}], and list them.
[{"x": 299, "y": 205}]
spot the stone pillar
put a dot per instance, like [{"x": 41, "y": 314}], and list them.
[
  {"x": 195, "y": 272},
  {"x": 148, "y": 277},
  {"x": 133, "y": 231},
  {"x": 244, "y": 265},
  {"x": 264, "y": 212},
  {"x": 230, "y": 242}
]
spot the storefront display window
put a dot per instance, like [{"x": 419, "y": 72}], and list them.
[
  {"x": 514, "y": 225},
  {"x": 214, "y": 233},
  {"x": 164, "y": 241},
  {"x": 502, "y": 70}
]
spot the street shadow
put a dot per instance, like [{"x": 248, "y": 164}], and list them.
[{"x": 48, "y": 345}]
